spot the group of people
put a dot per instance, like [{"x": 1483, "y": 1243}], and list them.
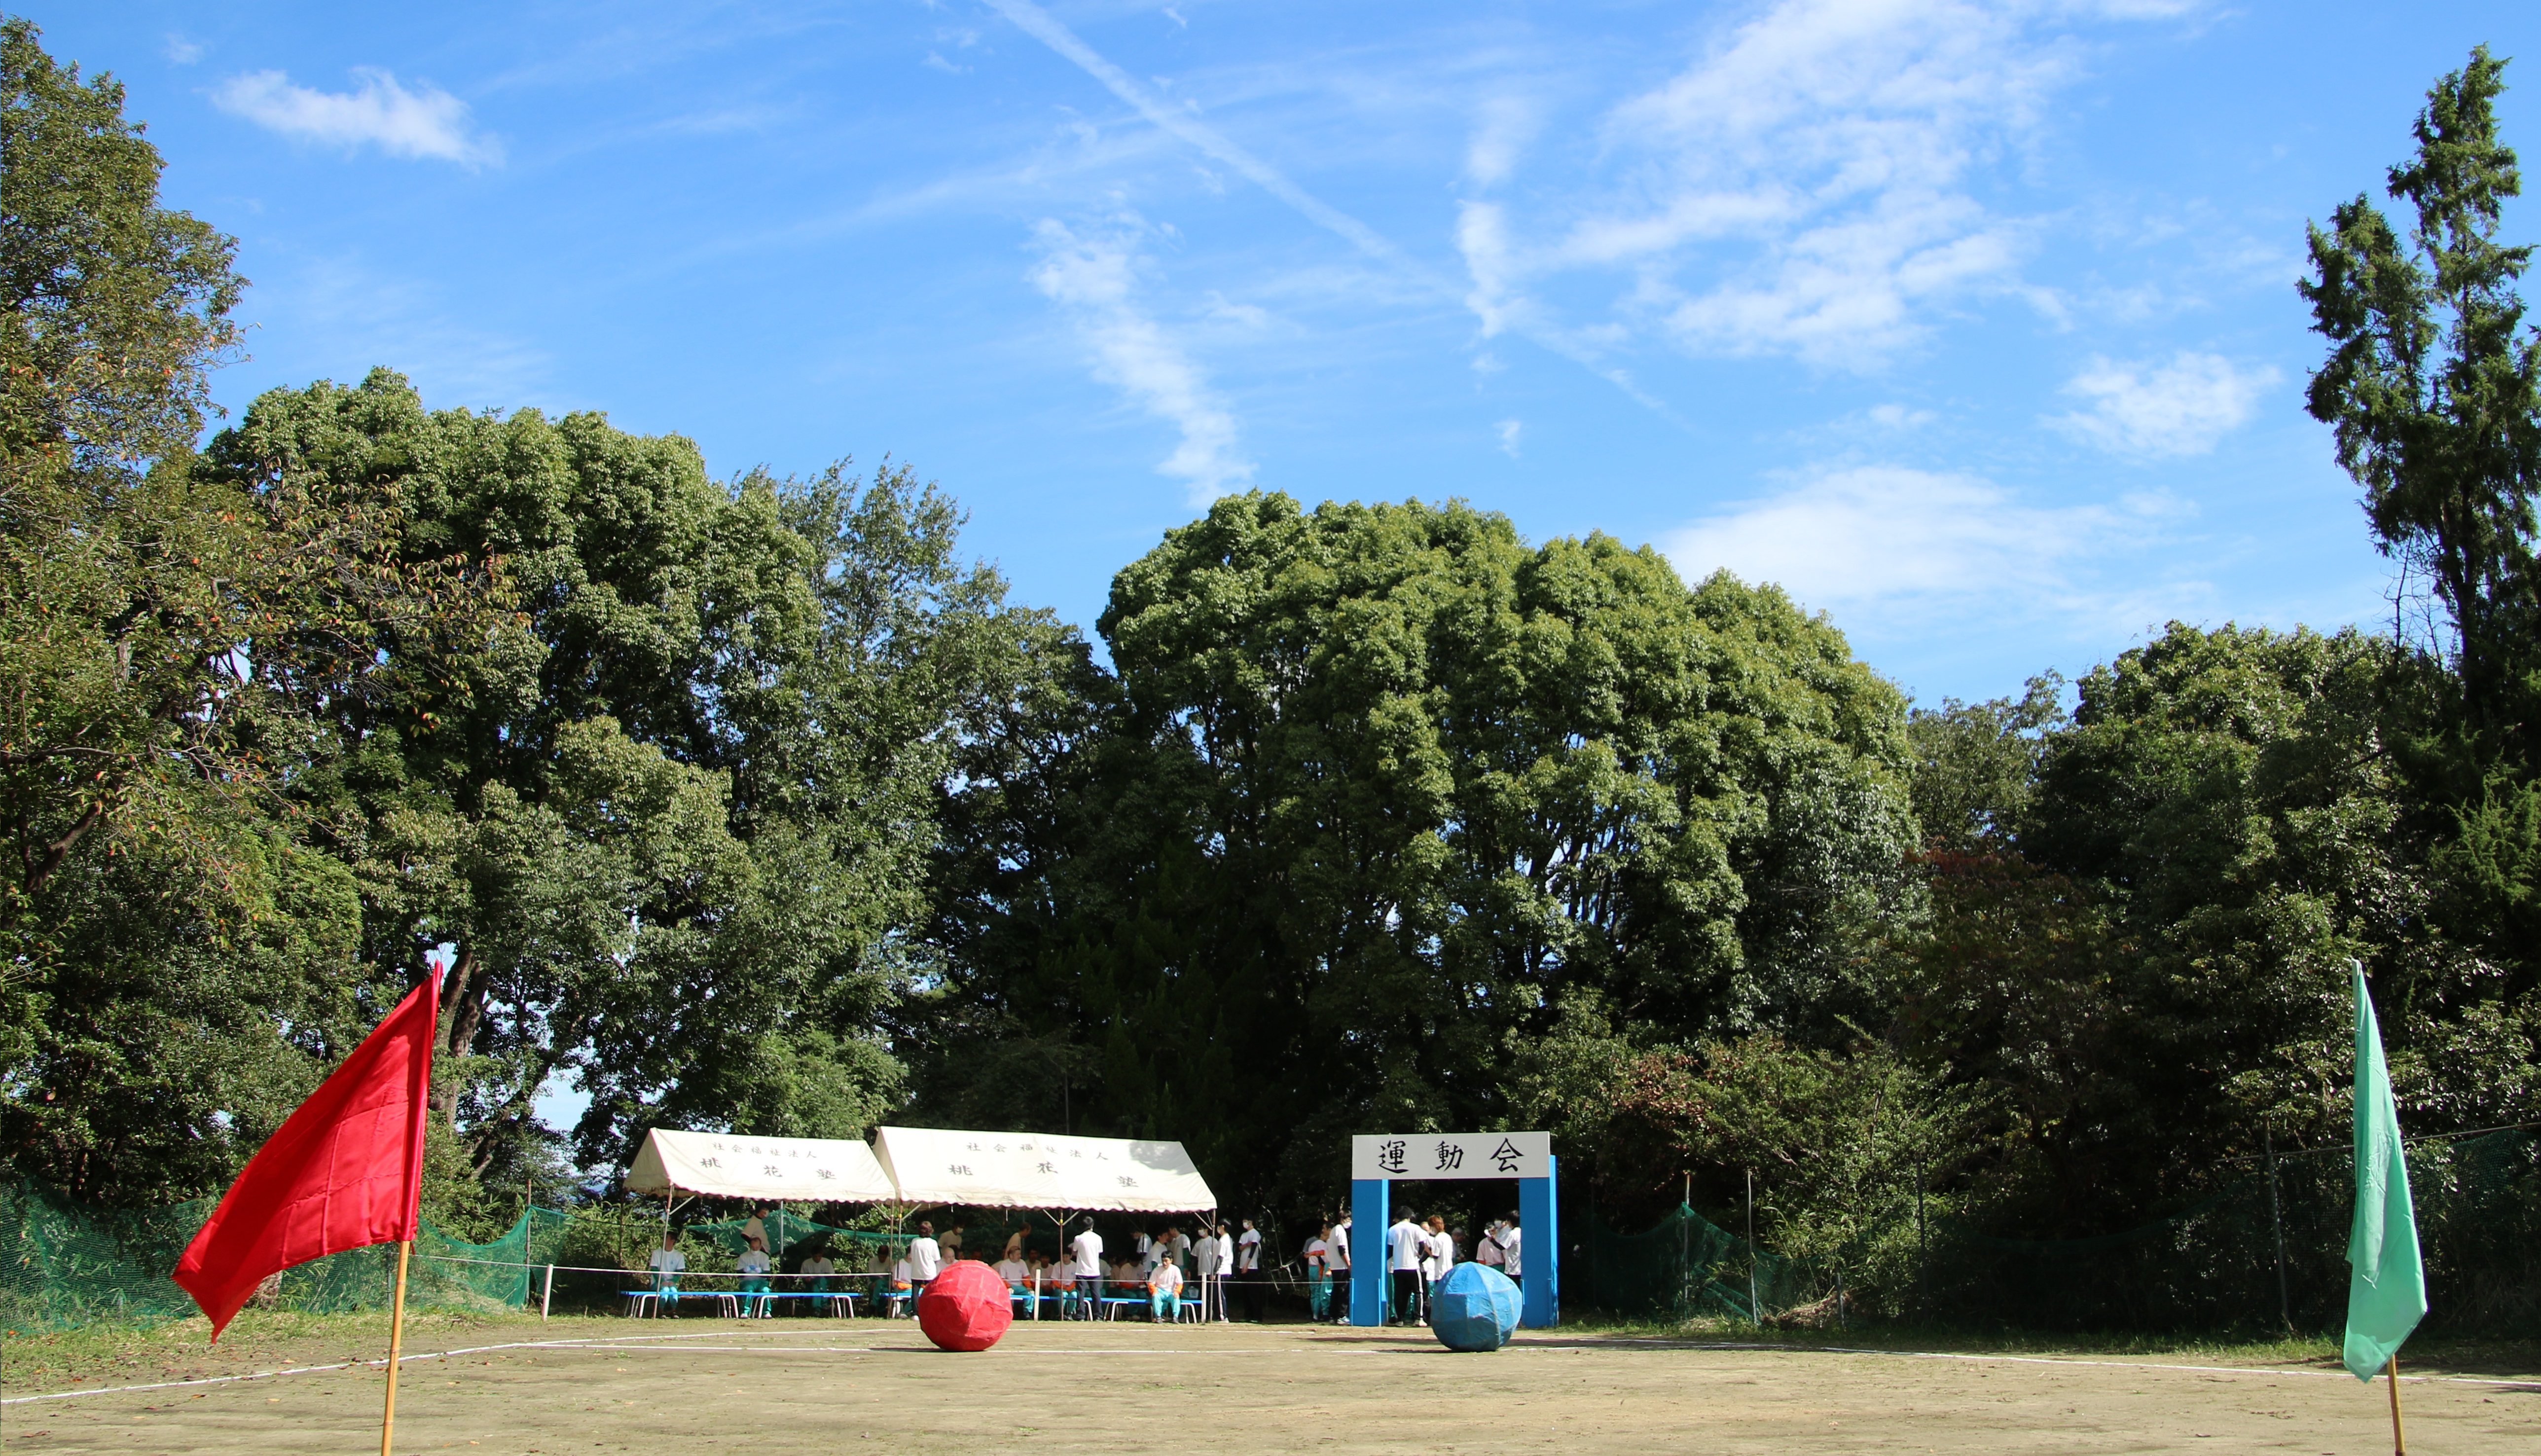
[
  {"x": 1163, "y": 1268},
  {"x": 1416, "y": 1255}
]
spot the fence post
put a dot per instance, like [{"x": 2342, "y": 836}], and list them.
[
  {"x": 1754, "y": 1312},
  {"x": 1923, "y": 1247},
  {"x": 547, "y": 1293},
  {"x": 2277, "y": 1217}
]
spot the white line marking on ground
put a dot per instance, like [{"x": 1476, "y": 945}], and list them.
[{"x": 659, "y": 1344}]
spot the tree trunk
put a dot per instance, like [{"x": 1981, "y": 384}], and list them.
[{"x": 462, "y": 992}]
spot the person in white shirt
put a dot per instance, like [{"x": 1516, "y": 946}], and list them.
[
  {"x": 1403, "y": 1264},
  {"x": 1216, "y": 1253},
  {"x": 1165, "y": 1291},
  {"x": 1085, "y": 1252},
  {"x": 1014, "y": 1272},
  {"x": 1442, "y": 1255},
  {"x": 1178, "y": 1245},
  {"x": 1247, "y": 1270},
  {"x": 1337, "y": 1259},
  {"x": 754, "y": 1267},
  {"x": 668, "y": 1262},
  {"x": 817, "y": 1271},
  {"x": 1509, "y": 1250},
  {"x": 1488, "y": 1251},
  {"x": 902, "y": 1286},
  {"x": 926, "y": 1258}
]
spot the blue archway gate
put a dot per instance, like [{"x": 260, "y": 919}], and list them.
[{"x": 1378, "y": 1160}]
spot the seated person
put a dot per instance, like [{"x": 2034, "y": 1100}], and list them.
[
  {"x": 817, "y": 1271},
  {"x": 1060, "y": 1278},
  {"x": 753, "y": 1269},
  {"x": 1016, "y": 1272},
  {"x": 1165, "y": 1291},
  {"x": 667, "y": 1263}
]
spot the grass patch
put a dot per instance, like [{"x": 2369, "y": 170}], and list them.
[
  {"x": 2431, "y": 1355},
  {"x": 136, "y": 1353}
]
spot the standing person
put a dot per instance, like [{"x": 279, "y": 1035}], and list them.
[
  {"x": 950, "y": 1243},
  {"x": 668, "y": 1262},
  {"x": 1086, "y": 1251},
  {"x": 1318, "y": 1268},
  {"x": 1336, "y": 1260},
  {"x": 1178, "y": 1245},
  {"x": 755, "y": 1227},
  {"x": 1487, "y": 1250},
  {"x": 1221, "y": 1268},
  {"x": 1509, "y": 1250},
  {"x": 1439, "y": 1256},
  {"x": 926, "y": 1260},
  {"x": 1403, "y": 1263},
  {"x": 1247, "y": 1270}
]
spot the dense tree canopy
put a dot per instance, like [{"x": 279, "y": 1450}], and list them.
[
  {"x": 1375, "y": 792},
  {"x": 749, "y": 803}
]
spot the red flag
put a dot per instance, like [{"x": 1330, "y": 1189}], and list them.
[{"x": 343, "y": 1171}]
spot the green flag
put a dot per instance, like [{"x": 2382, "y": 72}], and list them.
[{"x": 2386, "y": 1289}]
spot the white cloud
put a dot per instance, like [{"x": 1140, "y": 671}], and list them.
[
  {"x": 1891, "y": 536},
  {"x": 1810, "y": 186},
  {"x": 424, "y": 123},
  {"x": 1509, "y": 430},
  {"x": 2179, "y": 408},
  {"x": 1095, "y": 280},
  {"x": 1504, "y": 126},
  {"x": 183, "y": 51},
  {"x": 1898, "y": 416}
]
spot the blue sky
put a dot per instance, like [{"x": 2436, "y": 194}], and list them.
[{"x": 1972, "y": 324}]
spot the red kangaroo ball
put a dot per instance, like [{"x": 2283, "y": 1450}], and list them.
[{"x": 966, "y": 1306}]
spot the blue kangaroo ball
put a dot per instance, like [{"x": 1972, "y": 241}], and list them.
[{"x": 1474, "y": 1308}]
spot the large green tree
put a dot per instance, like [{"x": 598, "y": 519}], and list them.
[
  {"x": 176, "y": 962},
  {"x": 2434, "y": 387},
  {"x": 1375, "y": 792},
  {"x": 672, "y": 818}
]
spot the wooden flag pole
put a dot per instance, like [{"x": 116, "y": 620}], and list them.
[
  {"x": 397, "y": 1348},
  {"x": 2399, "y": 1441}
]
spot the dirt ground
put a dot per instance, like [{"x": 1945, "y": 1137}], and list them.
[{"x": 816, "y": 1385}]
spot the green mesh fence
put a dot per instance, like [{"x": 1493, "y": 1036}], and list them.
[
  {"x": 1683, "y": 1267},
  {"x": 64, "y": 1265},
  {"x": 2214, "y": 1267}
]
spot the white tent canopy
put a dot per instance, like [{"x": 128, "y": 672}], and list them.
[
  {"x": 1038, "y": 1170},
  {"x": 824, "y": 1170}
]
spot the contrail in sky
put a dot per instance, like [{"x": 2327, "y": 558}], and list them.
[{"x": 1041, "y": 25}]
